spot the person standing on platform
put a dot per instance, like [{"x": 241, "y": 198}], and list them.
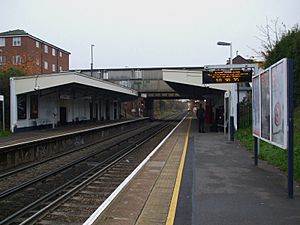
[{"x": 200, "y": 116}]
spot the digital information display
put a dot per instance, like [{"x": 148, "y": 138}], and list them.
[{"x": 226, "y": 76}]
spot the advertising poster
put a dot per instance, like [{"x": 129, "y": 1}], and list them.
[
  {"x": 265, "y": 105},
  {"x": 278, "y": 104},
  {"x": 270, "y": 104},
  {"x": 256, "y": 106}
]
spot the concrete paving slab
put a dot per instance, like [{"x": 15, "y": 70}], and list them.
[
  {"x": 227, "y": 189},
  {"x": 146, "y": 199}
]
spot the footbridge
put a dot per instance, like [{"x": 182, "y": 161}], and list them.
[{"x": 161, "y": 83}]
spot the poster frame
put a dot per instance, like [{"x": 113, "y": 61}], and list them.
[{"x": 283, "y": 81}]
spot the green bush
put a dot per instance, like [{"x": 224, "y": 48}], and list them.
[
  {"x": 272, "y": 154},
  {"x": 5, "y": 89},
  {"x": 289, "y": 47},
  {"x": 4, "y": 133}
]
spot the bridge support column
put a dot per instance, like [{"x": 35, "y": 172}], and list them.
[{"x": 149, "y": 108}]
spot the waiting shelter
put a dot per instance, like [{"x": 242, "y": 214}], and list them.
[{"x": 62, "y": 98}]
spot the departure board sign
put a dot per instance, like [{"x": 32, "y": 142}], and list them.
[{"x": 226, "y": 76}]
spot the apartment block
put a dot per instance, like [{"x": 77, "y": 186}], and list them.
[{"x": 35, "y": 56}]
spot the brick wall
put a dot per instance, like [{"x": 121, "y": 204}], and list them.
[{"x": 33, "y": 57}]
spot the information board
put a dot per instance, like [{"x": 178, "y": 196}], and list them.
[
  {"x": 278, "y": 105},
  {"x": 269, "y": 100},
  {"x": 265, "y": 105},
  {"x": 226, "y": 76},
  {"x": 256, "y": 106}
]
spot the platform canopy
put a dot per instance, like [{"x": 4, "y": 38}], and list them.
[
  {"x": 62, "y": 98},
  {"x": 189, "y": 83},
  {"x": 40, "y": 82}
]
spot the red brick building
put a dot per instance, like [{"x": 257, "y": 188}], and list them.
[{"x": 33, "y": 55}]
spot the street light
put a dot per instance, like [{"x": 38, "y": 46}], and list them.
[
  {"x": 92, "y": 55},
  {"x": 222, "y": 43}
]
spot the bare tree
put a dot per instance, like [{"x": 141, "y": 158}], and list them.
[{"x": 270, "y": 34}]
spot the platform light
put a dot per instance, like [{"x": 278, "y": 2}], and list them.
[
  {"x": 223, "y": 43},
  {"x": 92, "y": 58}
]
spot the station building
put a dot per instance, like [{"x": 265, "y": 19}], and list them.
[{"x": 60, "y": 98}]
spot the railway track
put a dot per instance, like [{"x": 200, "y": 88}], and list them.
[{"x": 75, "y": 185}]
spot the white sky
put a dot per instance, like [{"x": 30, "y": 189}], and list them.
[{"x": 146, "y": 33}]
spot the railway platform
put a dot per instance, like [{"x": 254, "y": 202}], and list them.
[
  {"x": 32, "y": 146},
  {"x": 33, "y": 135},
  {"x": 202, "y": 179}
]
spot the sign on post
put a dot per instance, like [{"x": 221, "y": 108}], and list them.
[
  {"x": 226, "y": 76},
  {"x": 3, "y": 111}
]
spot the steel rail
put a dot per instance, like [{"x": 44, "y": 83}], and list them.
[
  {"x": 3, "y": 175},
  {"x": 54, "y": 193},
  {"x": 50, "y": 206},
  {"x": 13, "y": 190}
]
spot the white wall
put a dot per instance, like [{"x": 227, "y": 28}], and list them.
[
  {"x": 48, "y": 110},
  {"x": 81, "y": 109},
  {"x": 234, "y": 100},
  {"x": 47, "y": 105}
]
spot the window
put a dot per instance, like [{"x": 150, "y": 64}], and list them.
[
  {"x": 45, "y": 65},
  {"x": 2, "y": 42},
  {"x": 2, "y": 59},
  {"x": 53, "y": 51},
  {"x": 46, "y": 48},
  {"x": 17, "y": 59},
  {"x": 37, "y": 62},
  {"x": 53, "y": 68},
  {"x": 34, "y": 106},
  {"x": 105, "y": 75},
  {"x": 137, "y": 74},
  {"x": 22, "y": 109},
  {"x": 37, "y": 44},
  {"x": 16, "y": 41},
  {"x": 60, "y": 68},
  {"x": 60, "y": 54}
]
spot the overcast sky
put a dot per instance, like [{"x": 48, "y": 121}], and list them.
[{"x": 146, "y": 33}]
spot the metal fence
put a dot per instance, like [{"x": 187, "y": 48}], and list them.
[{"x": 245, "y": 114}]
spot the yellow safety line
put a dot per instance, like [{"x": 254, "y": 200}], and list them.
[{"x": 173, "y": 205}]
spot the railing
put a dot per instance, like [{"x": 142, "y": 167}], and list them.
[{"x": 245, "y": 114}]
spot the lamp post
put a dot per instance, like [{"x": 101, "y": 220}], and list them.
[
  {"x": 223, "y": 43},
  {"x": 92, "y": 59}
]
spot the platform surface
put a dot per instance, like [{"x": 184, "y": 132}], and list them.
[
  {"x": 220, "y": 186},
  {"x": 32, "y": 135}
]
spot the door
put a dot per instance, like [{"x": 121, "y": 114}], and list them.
[
  {"x": 63, "y": 115},
  {"x": 91, "y": 111}
]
